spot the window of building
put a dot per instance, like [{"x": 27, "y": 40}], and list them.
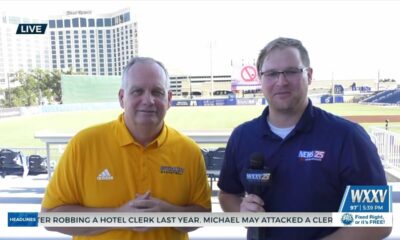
[
  {"x": 67, "y": 23},
  {"x": 127, "y": 17},
  {"x": 107, "y": 22},
  {"x": 99, "y": 22},
  {"x": 75, "y": 22},
  {"x": 83, "y": 22},
  {"x": 91, "y": 23},
  {"x": 59, "y": 23},
  {"x": 52, "y": 24}
]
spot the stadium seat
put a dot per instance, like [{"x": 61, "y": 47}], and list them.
[
  {"x": 11, "y": 163},
  {"x": 214, "y": 163},
  {"x": 37, "y": 165}
]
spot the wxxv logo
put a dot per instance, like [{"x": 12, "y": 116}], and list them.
[
  {"x": 368, "y": 195},
  {"x": 367, "y": 199},
  {"x": 31, "y": 28}
]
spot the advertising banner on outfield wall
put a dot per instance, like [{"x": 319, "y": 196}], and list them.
[{"x": 244, "y": 77}]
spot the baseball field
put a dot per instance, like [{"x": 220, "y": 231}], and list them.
[{"x": 19, "y": 131}]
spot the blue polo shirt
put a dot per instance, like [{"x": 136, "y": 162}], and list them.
[{"x": 310, "y": 168}]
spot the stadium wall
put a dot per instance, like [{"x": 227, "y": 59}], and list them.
[{"x": 89, "y": 89}]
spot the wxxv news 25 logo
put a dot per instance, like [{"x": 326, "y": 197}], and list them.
[
  {"x": 31, "y": 28},
  {"x": 367, "y": 199}
]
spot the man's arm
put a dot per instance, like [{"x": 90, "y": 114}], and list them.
[
  {"x": 230, "y": 202},
  {"x": 362, "y": 233}
]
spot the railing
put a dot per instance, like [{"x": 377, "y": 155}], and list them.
[
  {"x": 388, "y": 145},
  {"x": 200, "y": 137}
]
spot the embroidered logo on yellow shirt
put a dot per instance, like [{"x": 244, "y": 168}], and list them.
[
  {"x": 171, "y": 170},
  {"x": 105, "y": 175}
]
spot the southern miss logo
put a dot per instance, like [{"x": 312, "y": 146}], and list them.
[
  {"x": 315, "y": 155},
  {"x": 172, "y": 170}
]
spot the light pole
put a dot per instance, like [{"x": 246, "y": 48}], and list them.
[
  {"x": 211, "y": 69},
  {"x": 9, "y": 75},
  {"x": 8, "y": 91}
]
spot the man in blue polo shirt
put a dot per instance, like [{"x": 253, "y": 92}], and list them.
[{"x": 312, "y": 155}]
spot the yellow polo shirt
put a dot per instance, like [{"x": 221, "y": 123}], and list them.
[{"x": 104, "y": 167}]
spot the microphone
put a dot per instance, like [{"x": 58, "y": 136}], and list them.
[{"x": 257, "y": 176}]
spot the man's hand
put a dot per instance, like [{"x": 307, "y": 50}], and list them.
[
  {"x": 146, "y": 203},
  {"x": 252, "y": 203},
  {"x": 130, "y": 207}
]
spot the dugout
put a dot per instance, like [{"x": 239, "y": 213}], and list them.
[{"x": 327, "y": 98}]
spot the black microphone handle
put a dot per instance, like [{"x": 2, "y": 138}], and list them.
[{"x": 257, "y": 233}]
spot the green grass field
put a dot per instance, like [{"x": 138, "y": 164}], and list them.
[{"x": 20, "y": 131}]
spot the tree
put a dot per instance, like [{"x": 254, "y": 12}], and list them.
[{"x": 33, "y": 87}]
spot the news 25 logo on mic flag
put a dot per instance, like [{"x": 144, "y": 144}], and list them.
[
  {"x": 256, "y": 176},
  {"x": 31, "y": 28}
]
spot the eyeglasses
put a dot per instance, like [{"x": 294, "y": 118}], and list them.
[{"x": 290, "y": 74}]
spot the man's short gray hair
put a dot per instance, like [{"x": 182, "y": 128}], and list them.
[{"x": 142, "y": 60}]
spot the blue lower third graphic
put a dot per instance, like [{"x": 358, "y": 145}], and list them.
[
  {"x": 367, "y": 199},
  {"x": 22, "y": 219}
]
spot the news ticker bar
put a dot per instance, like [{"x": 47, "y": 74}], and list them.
[{"x": 190, "y": 219}]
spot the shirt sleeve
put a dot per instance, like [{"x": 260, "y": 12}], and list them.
[
  {"x": 229, "y": 178},
  {"x": 201, "y": 193},
  {"x": 360, "y": 163},
  {"x": 62, "y": 188}
]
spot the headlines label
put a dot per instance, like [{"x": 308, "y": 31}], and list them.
[{"x": 22, "y": 219}]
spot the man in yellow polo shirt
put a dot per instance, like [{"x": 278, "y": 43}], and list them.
[{"x": 133, "y": 164}]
